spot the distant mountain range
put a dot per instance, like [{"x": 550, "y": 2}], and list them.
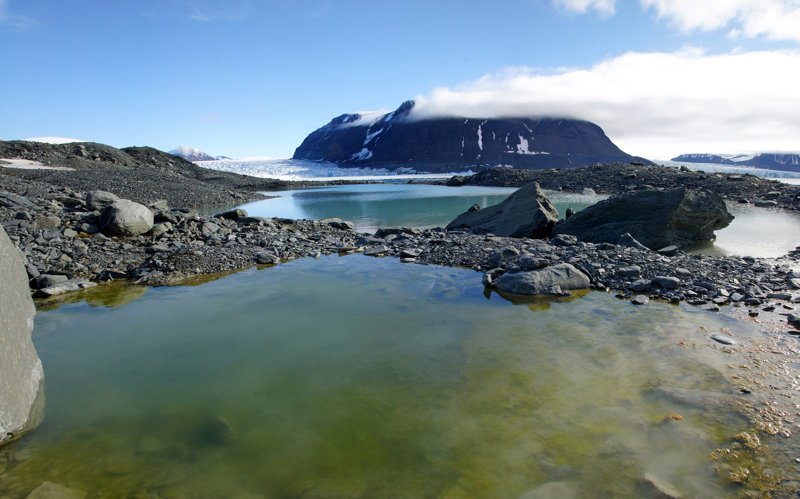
[
  {"x": 401, "y": 140},
  {"x": 789, "y": 162},
  {"x": 192, "y": 154}
]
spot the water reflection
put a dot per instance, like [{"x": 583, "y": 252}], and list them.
[{"x": 382, "y": 205}]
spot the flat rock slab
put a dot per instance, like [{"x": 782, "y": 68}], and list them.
[{"x": 555, "y": 280}]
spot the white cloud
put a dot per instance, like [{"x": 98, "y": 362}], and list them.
[
  {"x": 772, "y": 19},
  {"x": 605, "y": 7},
  {"x": 656, "y": 105}
]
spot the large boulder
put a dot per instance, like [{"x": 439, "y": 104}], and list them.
[
  {"x": 525, "y": 213},
  {"x": 99, "y": 200},
  {"x": 126, "y": 218},
  {"x": 654, "y": 218},
  {"x": 555, "y": 280},
  {"x": 21, "y": 372}
]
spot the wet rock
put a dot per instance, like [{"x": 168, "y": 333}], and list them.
[
  {"x": 49, "y": 490},
  {"x": 264, "y": 258},
  {"x": 554, "y": 490},
  {"x": 525, "y": 213},
  {"x": 126, "y": 218},
  {"x": 100, "y": 200},
  {"x": 666, "y": 282},
  {"x": 47, "y": 280},
  {"x": 65, "y": 287},
  {"x": 555, "y": 280},
  {"x": 653, "y": 487},
  {"x": 654, "y": 218},
  {"x": 721, "y": 338},
  {"x": 640, "y": 300},
  {"x": 21, "y": 372}
]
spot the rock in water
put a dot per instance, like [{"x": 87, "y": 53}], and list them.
[
  {"x": 126, "y": 218},
  {"x": 525, "y": 213},
  {"x": 21, "y": 372},
  {"x": 654, "y": 218},
  {"x": 555, "y": 280}
]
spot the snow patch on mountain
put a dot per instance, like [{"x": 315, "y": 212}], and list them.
[{"x": 53, "y": 140}]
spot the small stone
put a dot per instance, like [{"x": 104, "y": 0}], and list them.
[
  {"x": 721, "y": 338},
  {"x": 640, "y": 300},
  {"x": 668, "y": 251}
]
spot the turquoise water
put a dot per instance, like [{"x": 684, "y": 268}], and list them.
[
  {"x": 360, "y": 377},
  {"x": 757, "y": 232},
  {"x": 370, "y": 206}
]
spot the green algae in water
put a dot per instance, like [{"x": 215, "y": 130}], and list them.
[{"x": 359, "y": 377}]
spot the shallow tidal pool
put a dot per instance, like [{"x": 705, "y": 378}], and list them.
[{"x": 360, "y": 377}]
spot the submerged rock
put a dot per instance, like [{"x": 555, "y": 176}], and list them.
[
  {"x": 525, "y": 213},
  {"x": 555, "y": 280},
  {"x": 21, "y": 372},
  {"x": 50, "y": 490},
  {"x": 656, "y": 219}
]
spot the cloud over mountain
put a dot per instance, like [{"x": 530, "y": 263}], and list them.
[{"x": 652, "y": 104}]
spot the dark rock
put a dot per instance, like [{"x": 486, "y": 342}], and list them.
[
  {"x": 232, "y": 214},
  {"x": 668, "y": 251},
  {"x": 628, "y": 241},
  {"x": 666, "y": 282},
  {"x": 14, "y": 201},
  {"x": 654, "y": 218},
  {"x": 264, "y": 258},
  {"x": 47, "y": 280},
  {"x": 525, "y": 213},
  {"x": 553, "y": 280}
]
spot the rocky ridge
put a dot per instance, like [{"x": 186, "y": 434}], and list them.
[{"x": 619, "y": 178}]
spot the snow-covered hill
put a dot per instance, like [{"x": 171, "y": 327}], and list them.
[{"x": 193, "y": 154}]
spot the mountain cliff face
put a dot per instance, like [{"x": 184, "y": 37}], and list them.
[
  {"x": 771, "y": 161},
  {"x": 399, "y": 140}
]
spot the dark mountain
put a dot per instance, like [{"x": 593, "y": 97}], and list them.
[
  {"x": 772, "y": 161},
  {"x": 399, "y": 140}
]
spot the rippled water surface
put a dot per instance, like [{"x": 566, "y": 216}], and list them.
[{"x": 359, "y": 377}]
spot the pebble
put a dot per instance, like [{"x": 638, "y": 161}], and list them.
[{"x": 721, "y": 338}]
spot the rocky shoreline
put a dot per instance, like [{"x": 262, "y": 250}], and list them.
[
  {"x": 616, "y": 179},
  {"x": 56, "y": 229}
]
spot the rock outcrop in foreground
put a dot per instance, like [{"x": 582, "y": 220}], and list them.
[
  {"x": 21, "y": 372},
  {"x": 525, "y": 213},
  {"x": 657, "y": 219},
  {"x": 402, "y": 139}
]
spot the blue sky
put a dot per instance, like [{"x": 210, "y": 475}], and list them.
[{"x": 248, "y": 77}]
